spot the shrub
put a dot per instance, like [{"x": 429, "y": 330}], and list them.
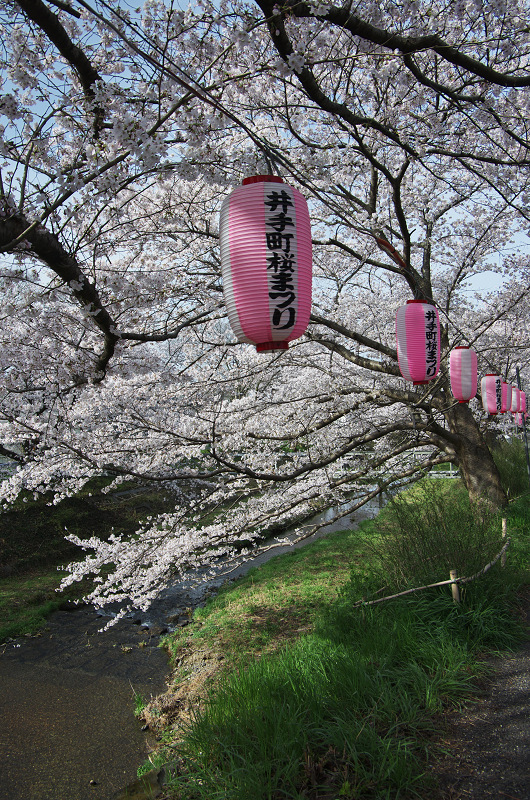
[
  {"x": 430, "y": 530},
  {"x": 510, "y": 458}
]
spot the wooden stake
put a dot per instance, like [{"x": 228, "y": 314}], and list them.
[
  {"x": 435, "y": 585},
  {"x": 455, "y": 591},
  {"x": 504, "y": 532}
]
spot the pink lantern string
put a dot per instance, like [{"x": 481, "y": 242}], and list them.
[
  {"x": 418, "y": 341},
  {"x": 491, "y": 390},
  {"x": 265, "y": 236},
  {"x": 463, "y": 373}
]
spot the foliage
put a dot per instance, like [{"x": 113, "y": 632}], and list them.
[
  {"x": 426, "y": 532},
  {"x": 139, "y": 704},
  {"x": 510, "y": 458},
  {"x": 405, "y": 125}
]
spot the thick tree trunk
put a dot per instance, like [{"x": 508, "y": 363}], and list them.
[{"x": 477, "y": 467}]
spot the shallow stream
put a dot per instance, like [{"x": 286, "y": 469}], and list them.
[
  {"x": 68, "y": 730},
  {"x": 169, "y": 609}
]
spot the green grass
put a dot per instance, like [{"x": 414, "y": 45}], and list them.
[
  {"x": 276, "y": 602},
  {"x": 26, "y": 602},
  {"x": 316, "y": 698},
  {"x": 510, "y": 458},
  {"x": 430, "y": 530}
]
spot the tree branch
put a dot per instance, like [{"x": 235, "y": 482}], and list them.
[
  {"x": 343, "y": 18},
  {"x": 50, "y": 24},
  {"x": 373, "y": 344},
  {"x": 47, "y": 247},
  {"x": 281, "y": 41}
]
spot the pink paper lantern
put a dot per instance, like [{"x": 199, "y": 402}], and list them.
[
  {"x": 522, "y": 402},
  {"x": 265, "y": 236},
  {"x": 514, "y": 408},
  {"x": 491, "y": 390},
  {"x": 463, "y": 373},
  {"x": 418, "y": 341},
  {"x": 506, "y": 399}
]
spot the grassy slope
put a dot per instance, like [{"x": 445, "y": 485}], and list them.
[
  {"x": 310, "y": 698},
  {"x": 278, "y": 601}
]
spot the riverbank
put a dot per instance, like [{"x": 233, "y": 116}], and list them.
[
  {"x": 293, "y": 611},
  {"x": 282, "y": 688},
  {"x": 33, "y": 547},
  {"x": 68, "y": 729},
  {"x": 69, "y": 693}
]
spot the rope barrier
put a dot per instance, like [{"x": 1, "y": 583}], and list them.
[{"x": 439, "y": 583}]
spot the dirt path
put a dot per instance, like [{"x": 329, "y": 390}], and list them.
[
  {"x": 67, "y": 725},
  {"x": 489, "y": 743}
]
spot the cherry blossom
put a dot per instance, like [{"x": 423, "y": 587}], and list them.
[{"x": 121, "y": 131}]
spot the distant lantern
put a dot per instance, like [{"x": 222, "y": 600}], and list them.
[
  {"x": 265, "y": 236},
  {"x": 463, "y": 373},
  {"x": 418, "y": 341},
  {"x": 506, "y": 399},
  {"x": 491, "y": 389},
  {"x": 514, "y": 408},
  {"x": 522, "y": 402}
]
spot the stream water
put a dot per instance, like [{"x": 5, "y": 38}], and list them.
[
  {"x": 169, "y": 609},
  {"x": 67, "y": 728}
]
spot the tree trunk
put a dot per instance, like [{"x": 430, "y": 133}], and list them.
[{"x": 477, "y": 467}]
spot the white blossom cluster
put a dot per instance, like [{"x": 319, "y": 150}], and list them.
[{"x": 116, "y": 355}]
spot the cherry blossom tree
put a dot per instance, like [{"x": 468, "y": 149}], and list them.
[{"x": 122, "y": 129}]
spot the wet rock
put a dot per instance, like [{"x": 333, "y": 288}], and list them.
[
  {"x": 157, "y": 630},
  {"x": 176, "y": 617}
]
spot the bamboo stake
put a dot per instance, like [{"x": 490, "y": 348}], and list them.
[
  {"x": 504, "y": 533},
  {"x": 455, "y": 591},
  {"x": 434, "y": 585}
]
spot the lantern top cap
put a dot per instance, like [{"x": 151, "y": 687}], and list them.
[
  {"x": 262, "y": 179},
  {"x": 425, "y": 302},
  {"x": 462, "y": 347}
]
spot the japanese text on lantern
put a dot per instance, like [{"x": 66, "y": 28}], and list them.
[
  {"x": 280, "y": 235},
  {"x": 498, "y": 393},
  {"x": 431, "y": 343}
]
